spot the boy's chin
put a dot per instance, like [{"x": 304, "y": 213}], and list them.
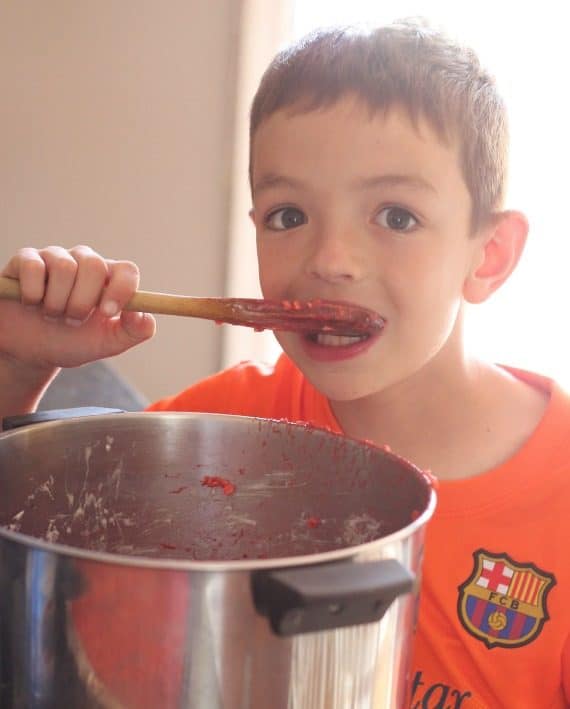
[
  {"x": 344, "y": 384},
  {"x": 342, "y": 387}
]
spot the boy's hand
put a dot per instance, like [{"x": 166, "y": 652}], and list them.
[{"x": 70, "y": 312}]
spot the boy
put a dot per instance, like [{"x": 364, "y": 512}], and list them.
[{"x": 377, "y": 169}]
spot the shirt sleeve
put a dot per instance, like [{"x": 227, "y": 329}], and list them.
[{"x": 246, "y": 389}]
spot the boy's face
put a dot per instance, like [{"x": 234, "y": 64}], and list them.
[{"x": 368, "y": 209}]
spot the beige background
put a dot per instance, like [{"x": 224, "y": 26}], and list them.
[{"x": 117, "y": 130}]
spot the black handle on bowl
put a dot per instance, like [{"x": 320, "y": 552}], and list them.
[
  {"x": 11, "y": 422},
  {"x": 308, "y": 599}
]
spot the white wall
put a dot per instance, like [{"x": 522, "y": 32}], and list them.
[{"x": 116, "y": 128}]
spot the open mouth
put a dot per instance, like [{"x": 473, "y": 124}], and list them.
[
  {"x": 325, "y": 339},
  {"x": 326, "y": 346}
]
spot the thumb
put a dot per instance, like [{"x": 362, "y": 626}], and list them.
[
  {"x": 107, "y": 337},
  {"x": 136, "y": 327}
]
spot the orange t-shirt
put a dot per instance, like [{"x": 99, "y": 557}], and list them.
[{"x": 494, "y": 620}]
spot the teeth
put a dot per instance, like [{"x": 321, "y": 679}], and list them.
[{"x": 323, "y": 338}]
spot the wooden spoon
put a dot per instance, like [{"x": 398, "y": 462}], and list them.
[{"x": 330, "y": 316}]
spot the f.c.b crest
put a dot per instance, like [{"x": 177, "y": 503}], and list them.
[{"x": 503, "y": 602}]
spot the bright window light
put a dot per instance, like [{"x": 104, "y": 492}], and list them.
[{"x": 525, "y": 46}]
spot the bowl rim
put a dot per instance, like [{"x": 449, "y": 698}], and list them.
[{"x": 369, "y": 549}]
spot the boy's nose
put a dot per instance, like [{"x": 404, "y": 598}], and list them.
[{"x": 335, "y": 258}]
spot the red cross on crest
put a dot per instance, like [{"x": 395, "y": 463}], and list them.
[{"x": 495, "y": 576}]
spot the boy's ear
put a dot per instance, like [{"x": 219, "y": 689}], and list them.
[{"x": 501, "y": 245}]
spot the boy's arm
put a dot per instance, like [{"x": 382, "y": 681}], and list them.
[
  {"x": 21, "y": 390},
  {"x": 70, "y": 314}
]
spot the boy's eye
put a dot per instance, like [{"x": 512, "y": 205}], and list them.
[
  {"x": 285, "y": 218},
  {"x": 396, "y": 218}
]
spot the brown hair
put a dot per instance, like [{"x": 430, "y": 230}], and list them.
[{"x": 408, "y": 64}]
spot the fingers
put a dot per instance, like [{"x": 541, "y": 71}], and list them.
[
  {"x": 91, "y": 274},
  {"x": 123, "y": 280},
  {"x": 70, "y": 284},
  {"x": 61, "y": 271},
  {"x": 30, "y": 269}
]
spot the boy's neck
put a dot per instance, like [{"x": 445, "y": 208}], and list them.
[{"x": 458, "y": 425}]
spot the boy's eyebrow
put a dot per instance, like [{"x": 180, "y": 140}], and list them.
[
  {"x": 273, "y": 180},
  {"x": 411, "y": 181}
]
